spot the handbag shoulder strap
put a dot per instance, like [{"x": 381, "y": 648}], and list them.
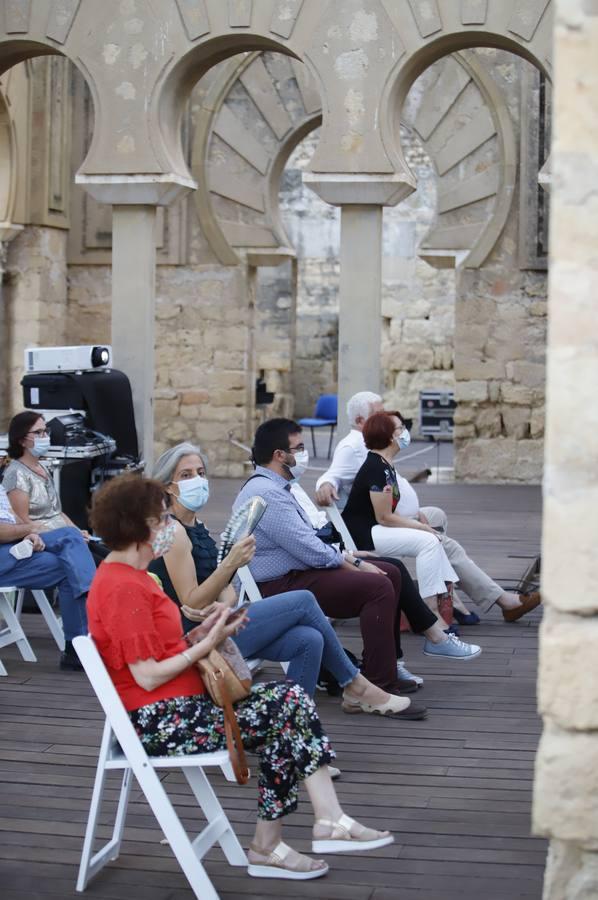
[{"x": 234, "y": 742}]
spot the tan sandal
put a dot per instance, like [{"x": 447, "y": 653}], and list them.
[
  {"x": 274, "y": 865},
  {"x": 341, "y": 840}
]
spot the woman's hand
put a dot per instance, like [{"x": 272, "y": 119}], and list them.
[
  {"x": 364, "y": 554},
  {"x": 221, "y": 628},
  {"x": 431, "y": 530},
  {"x": 201, "y": 615},
  {"x": 38, "y": 544},
  {"x": 241, "y": 553}
]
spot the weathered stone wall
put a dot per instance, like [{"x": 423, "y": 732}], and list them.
[
  {"x": 34, "y": 295},
  {"x": 203, "y": 345},
  {"x": 500, "y": 337},
  {"x": 565, "y": 808}
]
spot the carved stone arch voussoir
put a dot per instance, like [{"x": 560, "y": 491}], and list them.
[
  {"x": 257, "y": 125},
  {"x": 241, "y": 148},
  {"x": 428, "y": 32},
  {"x": 214, "y": 30}
]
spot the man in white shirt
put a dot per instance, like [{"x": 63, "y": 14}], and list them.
[{"x": 335, "y": 485}]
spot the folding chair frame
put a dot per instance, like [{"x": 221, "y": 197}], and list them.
[
  {"x": 122, "y": 749},
  {"x": 13, "y": 633}
]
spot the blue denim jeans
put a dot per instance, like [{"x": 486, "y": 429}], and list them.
[
  {"x": 65, "y": 562},
  {"x": 292, "y": 627}
]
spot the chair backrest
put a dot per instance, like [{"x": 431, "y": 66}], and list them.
[
  {"x": 337, "y": 520},
  {"x": 327, "y": 407},
  {"x": 110, "y": 702},
  {"x": 248, "y": 585}
]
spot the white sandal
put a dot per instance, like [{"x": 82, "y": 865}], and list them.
[
  {"x": 274, "y": 867},
  {"x": 342, "y": 841}
]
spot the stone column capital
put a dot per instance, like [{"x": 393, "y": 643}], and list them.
[
  {"x": 344, "y": 189},
  {"x": 8, "y": 231},
  {"x": 136, "y": 190}
]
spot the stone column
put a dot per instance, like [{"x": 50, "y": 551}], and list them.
[
  {"x": 7, "y": 232},
  {"x": 133, "y": 311},
  {"x": 361, "y": 198},
  {"x": 566, "y": 785},
  {"x": 360, "y": 305},
  {"x": 134, "y": 199}
]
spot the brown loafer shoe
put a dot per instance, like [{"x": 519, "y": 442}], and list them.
[{"x": 528, "y": 602}]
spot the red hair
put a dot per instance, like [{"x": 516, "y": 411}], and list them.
[{"x": 379, "y": 429}]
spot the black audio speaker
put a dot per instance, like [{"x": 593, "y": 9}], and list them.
[{"x": 104, "y": 395}]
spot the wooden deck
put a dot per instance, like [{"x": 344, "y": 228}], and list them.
[{"x": 455, "y": 789}]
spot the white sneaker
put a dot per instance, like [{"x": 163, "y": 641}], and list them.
[
  {"x": 404, "y": 673},
  {"x": 453, "y": 648}
]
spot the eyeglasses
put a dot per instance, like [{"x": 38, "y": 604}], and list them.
[
  {"x": 298, "y": 449},
  {"x": 39, "y": 432}
]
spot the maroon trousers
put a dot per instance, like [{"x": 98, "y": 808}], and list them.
[{"x": 346, "y": 594}]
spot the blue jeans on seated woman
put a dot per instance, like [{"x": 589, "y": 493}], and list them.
[
  {"x": 292, "y": 627},
  {"x": 67, "y": 563}
]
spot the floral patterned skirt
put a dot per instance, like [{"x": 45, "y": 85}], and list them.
[{"x": 278, "y": 722}]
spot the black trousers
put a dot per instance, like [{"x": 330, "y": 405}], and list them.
[{"x": 417, "y": 613}]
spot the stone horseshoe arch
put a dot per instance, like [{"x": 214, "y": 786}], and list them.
[
  {"x": 238, "y": 210},
  {"x": 432, "y": 30}
]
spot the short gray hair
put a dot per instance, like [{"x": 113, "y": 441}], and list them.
[
  {"x": 359, "y": 405},
  {"x": 165, "y": 465}
]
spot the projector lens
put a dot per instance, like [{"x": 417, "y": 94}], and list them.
[{"x": 100, "y": 356}]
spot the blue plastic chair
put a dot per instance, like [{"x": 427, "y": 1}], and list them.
[{"x": 324, "y": 416}]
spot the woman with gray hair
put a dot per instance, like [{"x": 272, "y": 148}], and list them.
[{"x": 286, "y": 627}]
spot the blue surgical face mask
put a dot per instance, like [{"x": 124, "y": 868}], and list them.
[
  {"x": 193, "y": 492},
  {"x": 41, "y": 445},
  {"x": 404, "y": 439}
]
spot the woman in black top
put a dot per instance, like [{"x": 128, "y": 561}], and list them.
[{"x": 371, "y": 514}]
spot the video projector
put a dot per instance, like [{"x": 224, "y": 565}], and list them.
[{"x": 67, "y": 359}]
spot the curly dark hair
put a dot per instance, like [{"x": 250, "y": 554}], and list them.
[
  {"x": 122, "y": 507},
  {"x": 19, "y": 427}
]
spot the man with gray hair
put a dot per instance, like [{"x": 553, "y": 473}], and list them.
[
  {"x": 350, "y": 453},
  {"x": 335, "y": 485}
]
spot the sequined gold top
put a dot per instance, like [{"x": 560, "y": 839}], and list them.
[{"x": 44, "y": 502}]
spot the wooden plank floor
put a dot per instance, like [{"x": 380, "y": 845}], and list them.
[{"x": 455, "y": 789}]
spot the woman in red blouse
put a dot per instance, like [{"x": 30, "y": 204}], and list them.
[{"x": 138, "y": 632}]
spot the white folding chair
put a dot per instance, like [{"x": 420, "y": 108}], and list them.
[
  {"x": 13, "y": 633},
  {"x": 47, "y": 612},
  {"x": 122, "y": 749},
  {"x": 334, "y": 516}
]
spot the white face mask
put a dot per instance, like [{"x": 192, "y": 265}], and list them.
[
  {"x": 404, "y": 439},
  {"x": 301, "y": 464},
  {"x": 193, "y": 492},
  {"x": 41, "y": 445}
]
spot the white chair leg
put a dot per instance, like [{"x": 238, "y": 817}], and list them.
[
  {"x": 92, "y": 863},
  {"x": 175, "y": 834},
  {"x": 216, "y": 816},
  {"x": 3, "y": 670},
  {"x": 20, "y": 601},
  {"x": 50, "y": 617},
  {"x": 13, "y": 633}
]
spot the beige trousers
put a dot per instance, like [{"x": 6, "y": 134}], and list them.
[{"x": 478, "y": 586}]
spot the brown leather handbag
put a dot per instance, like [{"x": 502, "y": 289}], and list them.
[{"x": 227, "y": 679}]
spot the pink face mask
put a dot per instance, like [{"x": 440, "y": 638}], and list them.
[{"x": 163, "y": 540}]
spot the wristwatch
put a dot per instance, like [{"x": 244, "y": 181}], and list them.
[{"x": 356, "y": 562}]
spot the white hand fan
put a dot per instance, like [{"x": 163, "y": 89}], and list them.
[{"x": 241, "y": 524}]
